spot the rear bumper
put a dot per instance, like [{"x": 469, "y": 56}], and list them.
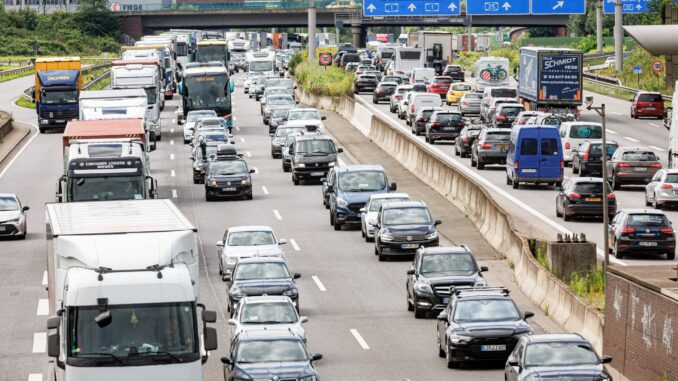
[
  {"x": 633, "y": 178},
  {"x": 589, "y": 210},
  {"x": 239, "y": 191},
  {"x": 492, "y": 158},
  {"x": 438, "y": 135},
  {"x": 634, "y": 246}
]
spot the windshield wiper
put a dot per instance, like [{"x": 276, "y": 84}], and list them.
[
  {"x": 164, "y": 353},
  {"x": 111, "y": 355},
  {"x": 267, "y": 322}
]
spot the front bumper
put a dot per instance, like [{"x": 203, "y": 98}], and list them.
[
  {"x": 52, "y": 123},
  {"x": 347, "y": 216},
  {"x": 225, "y": 191},
  {"x": 11, "y": 229},
  {"x": 473, "y": 350},
  {"x": 400, "y": 249},
  {"x": 430, "y": 302},
  {"x": 310, "y": 173}
]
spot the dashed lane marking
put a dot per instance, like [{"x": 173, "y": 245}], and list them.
[
  {"x": 613, "y": 132},
  {"x": 44, "y": 278},
  {"x": 264, "y": 189},
  {"x": 171, "y": 142},
  {"x": 248, "y": 153},
  {"x": 174, "y": 193},
  {"x": 294, "y": 244},
  {"x": 35, "y": 377},
  {"x": 657, "y": 148},
  {"x": 652, "y": 124},
  {"x": 242, "y": 140},
  {"x": 318, "y": 283},
  {"x": 171, "y": 156},
  {"x": 43, "y": 307},
  {"x": 359, "y": 339},
  {"x": 631, "y": 139},
  {"x": 172, "y": 173},
  {"x": 277, "y": 214},
  {"x": 39, "y": 342}
]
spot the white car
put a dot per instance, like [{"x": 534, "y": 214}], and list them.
[
  {"x": 266, "y": 313},
  {"x": 244, "y": 242},
  {"x": 308, "y": 117},
  {"x": 661, "y": 191},
  {"x": 610, "y": 62},
  {"x": 12, "y": 216},
  {"x": 248, "y": 81},
  {"x": 369, "y": 212},
  {"x": 191, "y": 119}
]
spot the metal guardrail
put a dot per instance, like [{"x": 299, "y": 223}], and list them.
[
  {"x": 613, "y": 83},
  {"x": 11, "y": 72},
  {"x": 29, "y": 67},
  {"x": 595, "y": 56},
  {"x": 28, "y": 93}
]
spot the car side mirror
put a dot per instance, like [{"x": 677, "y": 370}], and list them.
[
  {"x": 362, "y": 210},
  {"x": 442, "y": 316},
  {"x": 512, "y": 362},
  {"x": 210, "y": 342},
  {"x": 303, "y": 319},
  {"x": 252, "y": 171},
  {"x": 340, "y": 150},
  {"x": 220, "y": 243},
  {"x": 226, "y": 360},
  {"x": 296, "y": 276},
  {"x": 25, "y": 208},
  {"x": 437, "y": 222},
  {"x": 410, "y": 272},
  {"x": 393, "y": 187},
  {"x": 484, "y": 269},
  {"x": 282, "y": 241},
  {"x": 209, "y": 316},
  {"x": 316, "y": 357},
  {"x": 528, "y": 314},
  {"x": 607, "y": 359},
  {"x": 232, "y": 322},
  {"x": 323, "y": 118}
]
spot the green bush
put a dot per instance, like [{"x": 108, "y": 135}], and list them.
[
  {"x": 324, "y": 80},
  {"x": 590, "y": 287},
  {"x": 294, "y": 61},
  {"x": 648, "y": 80}
]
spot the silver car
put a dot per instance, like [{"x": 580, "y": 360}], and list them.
[
  {"x": 662, "y": 189},
  {"x": 278, "y": 101},
  {"x": 244, "y": 242},
  {"x": 266, "y": 313},
  {"x": 280, "y": 136},
  {"x": 12, "y": 216},
  {"x": 469, "y": 103},
  {"x": 192, "y": 118},
  {"x": 368, "y": 214}
]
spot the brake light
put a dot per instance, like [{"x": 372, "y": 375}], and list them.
[
  {"x": 501, "y": 117},
  {"x": 460, "y": 124},
  {"x": 573, "y": 195},
  {"x": 435, "y": 124},
  {"x": 515, "y": 165},
  {"x": 623, "y": 165},
  {"x": 465, "y": 140},
  {"x": 666, "y": 230},
  {"x": 656, "y": 165},
  {"x": 666, "y": 186},
  {"x": 412, "y": 108},
  {"x": 567, "y": 145},
  {"x": 562, "y": 165},
  {"x": 486, "y": 146},
  {"x": 628, "y": 230},
  {"x": 611, "y": 196}
]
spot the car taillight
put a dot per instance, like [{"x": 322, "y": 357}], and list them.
[
  {"x": 562, "y": 165},
  {"x": 573, "y": 195},
  {"x": 515, "y": 165},
  {"x": 628, "y": 230},
  {"x": 666, "y": 186},
  {"x": 567, "y": 145},
  {"x": 435, "y": 124},
  {"x": 623, "y": 165},
  {"x": 501, "y": 117},
  {"x": 611, "y": 196},
  {"x": 656, "y": 165},
  {"x": 461, "y": 124},
  {"x": 586, "y": 155},
  {"x": 465, "y": 140},
  {"x": 412, "y": 108},
  {"x": 666, "y": 230},
  {"x": 486, "y": 146},
  {"x": 464, "y": 103}
]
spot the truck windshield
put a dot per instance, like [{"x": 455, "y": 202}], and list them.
[
  {"x": 135, "y": 335},
  {"x": 151, "y": 95},
  {"x": 59, "y": 97},
  {"x": 105, "y": 188},
  {"x": 261, "y": 66},
  {"x": 207, "y": 92},
  {"x": 207, "y": 53}
]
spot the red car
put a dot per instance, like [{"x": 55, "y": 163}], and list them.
[
  {"x": 439, "y": 85},
  {"x": 647, "y": 104}
]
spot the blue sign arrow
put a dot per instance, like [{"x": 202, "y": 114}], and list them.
[
  {"x": 395, "y": 8},
  {"x": 557, "y": 7},
  {"x": 498, "y": 7},
  {"x": 628, "y": 6}
]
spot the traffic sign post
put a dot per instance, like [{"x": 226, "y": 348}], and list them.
[
  {"x": 395, "y": 8},
  {"x": 628, "y": 6},
  {"x": 325, "y": 59},
  {"x": 497, "y": 7},
  {"x": 638, "y": 70},
  {"x": 558, "y": 7}
]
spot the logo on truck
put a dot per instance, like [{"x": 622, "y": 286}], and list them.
[{"x": 58, "y": 78}]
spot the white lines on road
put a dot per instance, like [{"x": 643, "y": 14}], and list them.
[
  {"x": 174, "y": 193},
  {"x": 237, "y": 128},
  {"x": 242, "y": 140},
  {"x": 171, "y": 156},
  {"x": 172, "y": 142},
  {"x": 614, "y": 112},
  {"x": 44, "y": 278},
  {"x": 35, "y": 377},
  {"x": 20, "y": 151},
  {"x": 235, "y": 119},
  {"x": 264, "y": 189},
  {"x": 39, "y": 342},
  {"x": 294, "y": 244},
  {"x": 43, "y": 307},
  {"x": 277, "y": 214},
  {"x": 174, "y": 120},
  {"x": 340, "y": 161},
  {"x": 631, "y": 139},
  {"x": 657, "y": 148},
  {"x": 613, "y": 132},
  {"x": 171, "y": 130},
  {"x": 172, "y": 173},
  {"x": 318, "y": 283},
  {"x": 359, "y": 339},
  {"x": 248, "y": 153},
  {"x": 652, "y": 124}
]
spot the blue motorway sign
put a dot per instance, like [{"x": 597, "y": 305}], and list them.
[
  {"x": 498, "y": 7},
  {"x": 628, "y": 6},
  {"x": 381, "y": 8},
  {"x": 556, "y": 7}
]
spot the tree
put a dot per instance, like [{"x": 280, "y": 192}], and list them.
[
  {"x": 95, "y": 18},
  {"x": 583, "y": 25}
]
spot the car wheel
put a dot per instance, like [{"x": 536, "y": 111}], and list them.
[
  {"x": 558, "y": 214},
  {"x": 508, "y": 180},
  {"x": 207, "y": 196},
  {"x": 655, "y": 204},
  {"x": 410, "y": 306},
  {"x": 418, "y": 312},
  {"x": 441, "y": 351},
  {"x": 615, "y": 183},
  {"x": 473, "y": 162},
  {"x": 480, "y": 164},
  {"x": 331, "y": 218},
  {"x": 426, "y": 139},
  {"x": 671, "y": 255},
  {"x": 337, "y": 225},
  {"x": 456, "y": 150},
  {"x": 617, "y": 254},
  {"x": 382, "y": 257},
  {"x": 575, "y": 168},
  {"x": 515, "y": 184},
  {"x": 565, "y": 216},
  {"x": 249, "y": 196},
  {"x": 295, "y": 180},
  {"x": 362, "y": 231},
  {"x": 583, "y": 172},
  {"x": 432, "y": 141}
]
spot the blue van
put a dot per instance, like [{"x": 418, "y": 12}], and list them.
[{"x": 535, "y": 156}]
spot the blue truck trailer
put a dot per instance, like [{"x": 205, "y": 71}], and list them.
[{"x": 58, "y": 82}]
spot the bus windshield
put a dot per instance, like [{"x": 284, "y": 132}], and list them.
[
  {"x": 207, "y": 92},
  {"x": 208, "y": 53}
]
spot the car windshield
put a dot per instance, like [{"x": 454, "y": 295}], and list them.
[
  {"x": 268, "y": 313},
  {"x": 194, "y": 116},
  {"x": 639, "y": 156},
  {"x": 59, "y": 97},
  {"x": 252, "y": 238},
  {"x": 227, "y": 167},
  {"x": 559, "y": 354},
  {"x": 8, "y": 203},
  {"x": 284, "y": 132},
  {"x": 586, "y": 132},
  {"x": 279, "y": 100},
  {"x": 591, "y": 187},
  {"x": 446, "y": 263},
  {"x": 406, "y": 216},
  {"x": 451, "y": 117},
  {"x": 270, "y": 351},
  {"x": 647, "y": 220},
  {"x": 261, "y": 270},
  {"x": 376, "y": 203},
  {"x": 461, "y": 87},
  {"x": 363, "y": 181},
  {"x": 303, "y": 115},
  {"x": 279, "y": 113},
  {"x": 486, "y": 309},
  {"x": 317, "y": 147}
]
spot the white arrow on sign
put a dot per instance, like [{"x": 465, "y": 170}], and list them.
[
  {"x": 371, "y": 8},
  {"x": 411, "y": 7},
  {"x": 506, "y": 6},
  {"x": 559, "y": 4},
  {"x": 452, "y": 6},
  {"x": 639, "y": 7}
]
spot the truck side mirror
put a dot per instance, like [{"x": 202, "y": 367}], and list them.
[
  {"x": 210, "y": 337},
  {"x": 53, "y": 339},
  {"x": 209, "y": 316}
]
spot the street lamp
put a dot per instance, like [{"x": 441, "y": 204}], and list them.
[{"x": 606, "y": 249}]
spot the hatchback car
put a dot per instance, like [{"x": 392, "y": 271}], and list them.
[
  {"x": 641, "y": 231},
  {"x": 257, "y": 313},
  {"x": 647, "y": 104},
  {"x": 440, "y": 85},
  {"x": 469, "y": 104},
  {"x": 383, "y": 92},
  {"x": 419, "y": 120},
  {"x": 227, "y": 175},
  {"x": 457, "y": 90},
  {"x": 244, "y": 242},
  {"x": 365, "y": 83},
  {"x": 487, "y": 113},
  {"x": 555, "y": 356},
  {"x": 402, "y": 227},
  {"x": 467, "y": 137},
  {"x": 277, "y": 118},
  {"x": 191, "y": 119},
  {"x": 583, "y": 196},
  {"x": 491, "y": 147},
  {"x": 587, "y": 159},
  {"x": 12, "y": 216},
  {"x": 506, "y": 114},
  {"x": 436, "y": 272},
  {"x": 443, "y": 125},
  {"x": 369, "y": 213},
  {"x": 662, "y": 189},
  {"x": 632, "y": 165}
]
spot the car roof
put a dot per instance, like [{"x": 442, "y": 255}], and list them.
[
  {"x": 313, "y": 136},
  {"x": 265, "y": 299},
  {"x": 250, "y": 228},
  {"x": 462, "y": 249},
  {"x": 643, "y": 211},
  {"x": 555, "y": 337},
  {"x": 388, "y": 84},
  {"x": 631, "y": 149},
  {"x": 388, "y": 195},
  {"x": 404, "y": 204},
  {"x": 268, "y": 334},
  {"x": 447, "y": 111},
  {"x": 304, "y": 109},
  {"x": 261, "y": 260},
  {"x": 210, "y": 112},
  {"x": 212, "y": 119}
]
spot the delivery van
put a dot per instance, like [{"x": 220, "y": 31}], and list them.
[{"x": 535, "y": 156}]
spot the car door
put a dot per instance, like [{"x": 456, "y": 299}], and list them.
[
  {"x": 527, "y": 154},
  {"x": 332, "y": 190},
  {"x": 612, "y": 229},
  {"x": 411, "y": 278},
  {"x": 512, "y": 372},
  {"x": 551, "y": 155},
  {"x": 651, "y": 188}
]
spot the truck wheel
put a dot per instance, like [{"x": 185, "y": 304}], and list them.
[{"x": 42, "y": 130}]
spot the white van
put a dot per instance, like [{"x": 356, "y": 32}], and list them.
[
  {"x": 423, "y": 74},
  {"x": 572, "y": 134},
  {"x": 418, "y": 100}
]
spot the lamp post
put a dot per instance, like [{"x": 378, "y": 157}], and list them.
[{"x": 606, "y": 249}]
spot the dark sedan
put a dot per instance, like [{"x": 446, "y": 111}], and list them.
[
  {"x": 365, "y": 83},
  {"x": 587, "y": 159},
  {"x": 444, "y": 125},
  {"x": 464, "y": 142},
  {"x": 491, "y": 147},
  {"x": 583, "y": 196},
  {"x": 403, "y": 227},
  {"x": 642, "y": 231},
  {"x": 383, "y": 92}
]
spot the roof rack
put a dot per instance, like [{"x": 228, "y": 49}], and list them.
[{"x": 464, "y": 289}]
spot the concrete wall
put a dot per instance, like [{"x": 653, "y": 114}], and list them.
[{"x": 5, "y": 124}]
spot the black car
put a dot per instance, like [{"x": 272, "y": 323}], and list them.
[
  {"x": 269, "y": 355},
  {"x": 227, "y": 175},
  {"x": 257, "y": 276},
  {"x": 587, "y": 159},
  {"x": 312, "y": 157},
  {"x": 555, "y": 356},
  {"x": 419, "y": 120},
  {"x": 583, "y": 196},
  {"x": 277, "y": 118},
  {"x": 464, "y": 142},
  {"x": 491, "y": 147},
  {"x": 642, "y": 231},
  {"x": 480, "y": 324},
  {"x": 506, "y": 114},
  {"x": 200, "y": 157},
  {"x": 454, "y": 71},
  {"x": 443, "y": 125},
  {"x": 402, "y": 227},
  {"x": 365, "y": 82},
  {"x": 383, "y": 91},
  {"x": 435, "y": 273}
]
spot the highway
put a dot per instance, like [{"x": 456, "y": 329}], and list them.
[{"x": 356, "y": 305}]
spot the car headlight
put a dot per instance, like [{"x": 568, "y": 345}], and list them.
[
  {"x": 385, "y": 237},
  {"x": 308, "y": 378},
  {"x": 432, "y": 235},
  {"x": 231, "y": 259},
  {"x": 246, "y": 182},
  {"x": 331, "y": 164},
  {"x": 341, "y": 202},
  {"x": 290, "y": 292},
  {"x": 456, "y": 338},
  {"x": 213, "y": 183},
  {"x": 300, "y": 165},
  {"x": 424, "y": 287},
  {"x": 236, "y": 293},
  {"x": 480, "y": 283}
]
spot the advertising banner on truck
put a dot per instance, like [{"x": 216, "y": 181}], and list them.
[{"x": 561, "y": 78}]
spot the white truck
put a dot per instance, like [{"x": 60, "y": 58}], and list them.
[
  {"x": 141, "y": 74},
  {"x": 261, "y": 62},
  {"x": 492, "y": 72},
  {"x": 117, "y": 104},
  {"x": 123, "y": 293},
  {"x": 437, "y": 47},
  {"x": 406, "y": 59}
]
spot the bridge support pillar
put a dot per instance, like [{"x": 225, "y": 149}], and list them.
[
  {"x": 359, "y": 36},
  {"x": 131, "y": 26}
]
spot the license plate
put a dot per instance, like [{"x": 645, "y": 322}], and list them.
[
  {"x": 409, "y": 246},
  {"x": 593, "y": 199},
  {"x": 529, "y": 170},
  {"x": 448, "y": 129},
  {"x": 60, "y": 121},
  {"x": 502, "y": 146},
  {"x": 317, "y": 173},
  {"x": 640, "y": 169},
  {"x": 650, "y": 243},
  {"x": 492, "y": 348},
  {"x": 230, "y": 189}
]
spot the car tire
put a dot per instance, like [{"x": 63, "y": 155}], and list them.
[
  {"x": 508, "y": 180},
  {"x": 249, "y": 196},
  {"x": 450, "y": 363},
  {"x": 418, "y": 312},
  {"x": 441, "y": 352},
  {"x": 432, "y": 141},
  {"x": 473, "y": 162},
  {"x": 615, "y": 183},
  {"x": 583, "y": 172},
  {"x": 575, "y": 169},
  {"x": 456, "y": 150},
  {"x": 362, "y": 232},
  {"x": 331, "y": 218},
  {"x": 671, "y": 255},
  {"x": 655, "y": 204},
  {"x": 42, "y": 130},
  {"x": 337, "y": 225},
  {"x": 187, "y": 141},
  {"x": 647, "y": 202},
  {"x": 158, "y": 137},
  {"x": 558, "y": 214},
  {"x": 382, "y": 257},
  {"x": 565, "y": 216},
  {"x": 617, "y": 253},
  {"x": 515, "y": 184},
  {"x": 207, "y": 197},
  {"x": 426, "y": 139},
  {"x": 480, "y": 165},
  {"x": 295, "y": 180}
]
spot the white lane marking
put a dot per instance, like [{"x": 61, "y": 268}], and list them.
[
  {"x": 657, "y": 148},
  {"x": 35, "y": 377},
  {"x": 44, "y": 278},
  {"x": 43, "y": 307},
  {"x": 172, "y": 173},
  {"x": 171, "y": 156},
  {"x": 174, "y": 120},
  {"x": 171, "y": 130},
  {"x": 652, "y": 124},
  {"x": 294, "y": 244},
  {"x": 277, "y": 214},
  {"x": 614, "y": 112},
  {"x": 256, "y": 170},
  {"x": 340, "y": 161},
  {"x": 359, "y": 339},
  {"x": 39, "y": 342},
  {"x": 613, "y": 132},
  {"x": 318, "y": 283},
  {"x": 237, "y": 128},
  {"x": 248, "y": 153},
  {"x": 264, "y": 189},
  {"x": 242, "y": 140},
  {"x": 20, "y": 151},
  {"x": 631, "y": 139},
  {"x": 235, "y": 119},
  {"x": 174, "y": 193},
  {"x": 171, "y": 142}
]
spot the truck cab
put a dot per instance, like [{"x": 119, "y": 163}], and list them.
[
  {"x": 141, "y": 74},
  {"x": 58, "y": 82}
]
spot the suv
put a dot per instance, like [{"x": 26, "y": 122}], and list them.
[
  {"x": 440, "y": 85},
  {"x": 383, "y": 92},
  {"x": 227, "y": 175},
  {"x": 347, "y": 189},
  {"x": 269, "y": 355},
  {"x": 244, "y": 242},
  {"x": 506, "y": 114},
  {"x": 443, "y": 125},
  {"x": 365, "y": 82},
  {"x": 587, "y": 159},
  {"x": 480, "y": 323},
  {"x": 420, "y": 118},
  {"x": 583, "y": 196},
  {"x": 402, "y": 227},
  {"x": 201, "y": 155},
  {"x": 264, "y": 313},
  {"x": 487, "y": 112},
  {"x": 632, "y": 165},
  {"x": 464, "y": 142},
  {"x": 454, "y": 71},
  {"x": 261, "y": 275},
  {"x": 312, "y": 157},
  {"x": 491, "y": 147},
  {"x": 435, "y": 273}
]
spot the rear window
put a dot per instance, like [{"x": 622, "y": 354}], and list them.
[
  {"x": 503, "y": 93},
  {"x": 650, "y": 98},
  {"x": 511, "y": 110},
  {"x": 462, "y": 88},
  {"x": 647, "y": 220},
  {"x": 586, "y": 132},
  {"x": 350, "y": 58},
  {"x": 596, "y": 187},
  {"x": 387, "y": 86},
  {"x": 473, "y": 96},
  {"x": 427, "y": 113},
  {"x": 639, "y": 156},
  {"x": 528, "y": 146},
  {"x": 672, "y": 178},
  {"x": 448, "y": 117},
  {"x": 419, "y": 88},
  {"x": 454, "y": 68},
  {"x": 367, "y": 78},
  {"x": 549, "y": 147},
  {"x": 498, "y": 136},
  {"x": 403, "y": 90},
  {"x": 597, "y": 149},
  {"x": 442, "y": 80}
]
